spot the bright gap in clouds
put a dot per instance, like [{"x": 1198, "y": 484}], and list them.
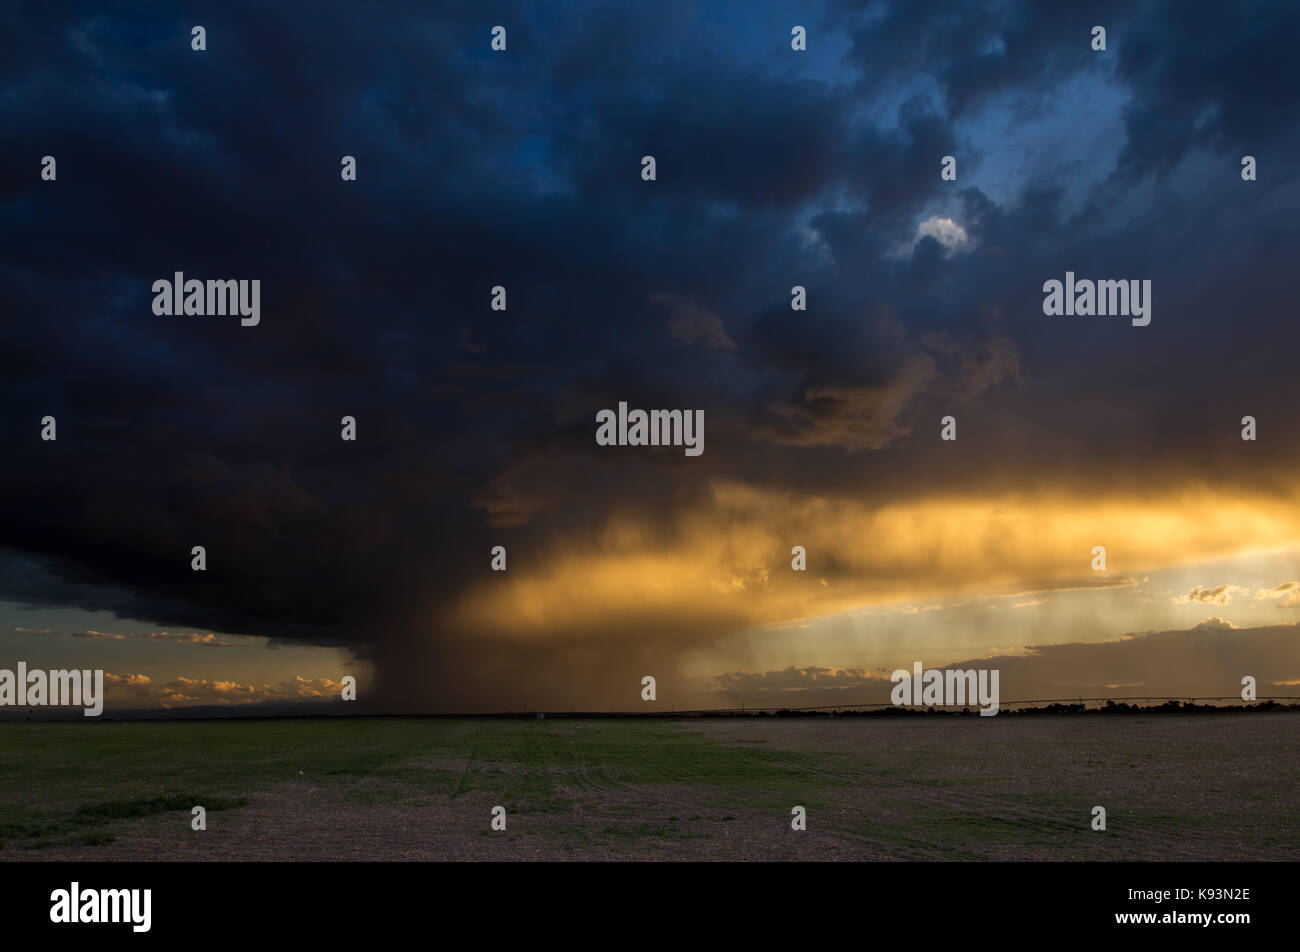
[{"x": 947, "y": 232}]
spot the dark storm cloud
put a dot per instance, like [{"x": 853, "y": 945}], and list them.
[
  {"x": 973, "y": 51},
  {"x": 1223, "y": 75},
  {"x": 522, "y": 170}
]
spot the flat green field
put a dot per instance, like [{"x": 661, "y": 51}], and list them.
[{"x": 1210, "y": 786}]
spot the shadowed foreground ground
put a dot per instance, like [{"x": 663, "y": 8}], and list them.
[{"x": 1212, "y": 786}]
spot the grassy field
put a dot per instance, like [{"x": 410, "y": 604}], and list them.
[{"x": 1218, "y": 786}]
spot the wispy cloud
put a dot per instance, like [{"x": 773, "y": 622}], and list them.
[{"x": 209, "y": 640}]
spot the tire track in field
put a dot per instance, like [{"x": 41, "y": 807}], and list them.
[
  {"x": 464, "y": 783},
  {"x": 577, "y": 767},
  {"x": 672, "y": 812},
  {"x": 991, "y": 809},
  {"x": 949, "y": 803},
  {"x": 794, "y": 765}
]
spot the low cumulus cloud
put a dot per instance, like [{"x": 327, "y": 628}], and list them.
[
  {"x": 1214, "y": 623},
  {"x": 1220, "y": 595},
  {"x": 1208, "y": 660},
  {"x": 127, "y": 691},
  {"x": 1286, "y": 594}
]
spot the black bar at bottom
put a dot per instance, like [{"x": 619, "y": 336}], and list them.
[{"x": 311, "y": 901}]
